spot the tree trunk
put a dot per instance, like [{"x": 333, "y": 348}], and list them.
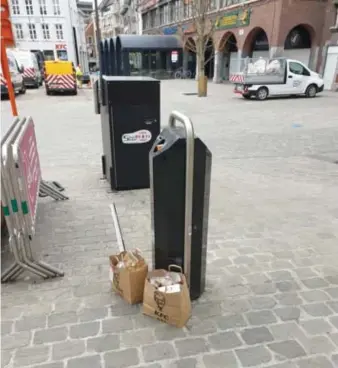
[{"x": 202, "y": 79}]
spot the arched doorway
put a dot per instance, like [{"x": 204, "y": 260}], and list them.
[
  {"x": 209, "y": 59},
  {"x": 190, "y": 49},
  {"x": 256, "y": 44},
  {"x": 298, "y": 43},
  {"x": 229, "y": 52}
]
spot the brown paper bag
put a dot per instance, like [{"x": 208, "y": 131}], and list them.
[
  {"x": 171, "y": 308},
  {"x": 128, "y": 281}
]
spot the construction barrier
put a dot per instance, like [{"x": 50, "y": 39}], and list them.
[{"x": 21, "y": 186}]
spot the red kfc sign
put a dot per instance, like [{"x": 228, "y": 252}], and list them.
[{"x": 61, "y": 46}]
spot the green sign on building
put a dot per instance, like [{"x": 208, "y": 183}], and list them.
[{"x": 234, "y": 19}]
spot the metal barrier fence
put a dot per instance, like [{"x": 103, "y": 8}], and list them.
[{"x": 21, "y": 186}]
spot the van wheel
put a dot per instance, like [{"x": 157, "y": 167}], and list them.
[
  {"x": 262, "y": 94},
  {"x": 247, "y": 97},
  {"x": 311, "y": 91},
  {"x": 74, "y": 93},
  {"x": 23, "y": 89},
  {"x": 48, "y": 93}
]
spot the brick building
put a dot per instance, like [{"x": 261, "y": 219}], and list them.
[{"x": 298, "y": 29}]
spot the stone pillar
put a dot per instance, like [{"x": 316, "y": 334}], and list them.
[
  {"x": 217, "y": 66},
  {"x": 314, "y": 54},
  {"x": 240, "y": 55},
  {"x": 276, "y": 51},
  {"x": 168, "y": 61},
  {"x": 185, "y": 60}
]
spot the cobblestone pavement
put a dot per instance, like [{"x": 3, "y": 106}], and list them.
[{"x": 272, "y": 279}]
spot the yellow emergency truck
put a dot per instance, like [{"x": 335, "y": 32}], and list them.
[{"x": 60, "y": 77}]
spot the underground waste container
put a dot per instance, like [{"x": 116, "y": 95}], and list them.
[
  {"x": 130, "y": 122},
  {"x": 180, "y": 170}
]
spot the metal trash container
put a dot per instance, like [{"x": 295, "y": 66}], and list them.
[
  {"x": 130, "y": 120},
  {"x": 180, "y": 170}
]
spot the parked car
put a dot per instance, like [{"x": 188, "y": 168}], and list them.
[
  {"x": 16, "y": 75},
  {"x": 32, "y": 76},
  {"x": 263, "y": 78}
]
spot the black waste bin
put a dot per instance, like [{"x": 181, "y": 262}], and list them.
[
  {"x": 130, "y": 119},
  {"x": 180, "y": 169}
]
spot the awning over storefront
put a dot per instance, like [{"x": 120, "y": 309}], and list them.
[{"x": 147, "y": 42}]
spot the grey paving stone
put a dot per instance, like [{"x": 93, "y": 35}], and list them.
[
  {"x": 333, "y": 305},
  {"x": 332, "y": 279},
  {"x": 287, "y": 286},
  {"x": 334, "y": 338},
  {"x": 283, "y": 365},
  {"x": 262, "y": 302},
  {"x": 15, "y": 340},
  {"x": 58, "y": 319},
  {"x": 92, "y": 314},
  {"x": 181, "y": 363},
  {"x": 139, "y": 321},
  {"x": 166, "y": 332},
  {"x": 235, "y": 306},
  {"x": 50, "y": 365},
  {"x": 314, "y": 295},
  {"x": 217, "y": 360},
  {"x": 315, "y": 362},
  {"x": 103, "y": 343},
  {"x": 30, "y": 323},
  {"x": 50, "y": 335},
  {"x": 287, "y": 349},
  {"x": 84, "y": 330},
  {"x": 136, "y": 338},
  {"x": 230, "y": 321},
  {"x": 289, "y": 299},
  {"x": 261, "y": 317},
  {"x": 256, "y": 335},
  {"x": 117, "y": 324},
  {"x": 209, "y": 309},
  {"x": 122, "y": 309},
  {"x": 335, "y": 359},
  {"x": 262, "y": 289},
  {"x": 253, "y": 356},
  {"x": 159, "y": 351},
  {"x": 317, "y": 310},
  {"x": 319, "y": 345},
  {"x": 288, "y": 313},
  {"x": 6, "y": 357},
  {"x": 224, "y": 341},
  {"x": 316, "y": 326},
  {"x": 280, "y": 275},
  {"x": 315, "y": 283},
  {"x": 6, "y": 327},
  {"x": 31, "y": 355},
  {"x": 90, "y": 361},
  {"x": 68, "y": 349},
  {"x": 333, "y": 292},
  {"x": 334, "y": 321},
  {"x": 191, "y": 346}
]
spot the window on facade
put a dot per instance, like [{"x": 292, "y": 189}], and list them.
[
  {"x": 56, "y": 7},
  {"x": 59, "y": 31},
  {"x": 15, "y": 7},
  {"x": 176, "y": 10},
  {"x": 152, "y": 18},
  {"x": 212, "y": 4},
  {"x": 32, "y": 31},
  {"x": 45, "y": 31},
  {"x": 18, "y": 31},
  {"x": 43, "y": 7},
  {"x": 161, "y": 15},
  {"x": 29, "y": 7},
  {"x": 90, "y": 40},
  {"x": 187, "y": 10},
  {"x": 166, "y": 14}
]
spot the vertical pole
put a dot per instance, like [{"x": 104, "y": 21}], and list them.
[
  {"x": 98, "y": 35},
  {"x": 7, "y": 75}
]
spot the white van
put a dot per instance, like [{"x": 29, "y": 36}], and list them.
[
  {"x": 16, "y": 75},
  {"x": 31, "y": 75},
  {"x": 262, "y": 78}
]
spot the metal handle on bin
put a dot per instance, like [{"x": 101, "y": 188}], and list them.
[{"x": 189, "y": 185}]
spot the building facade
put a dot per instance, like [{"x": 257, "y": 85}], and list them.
[
  {"x": 54, "y": 27},
  {"x": 296, "y": 29}
]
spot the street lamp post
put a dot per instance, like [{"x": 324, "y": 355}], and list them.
[{"x": 98, "y": 44}]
